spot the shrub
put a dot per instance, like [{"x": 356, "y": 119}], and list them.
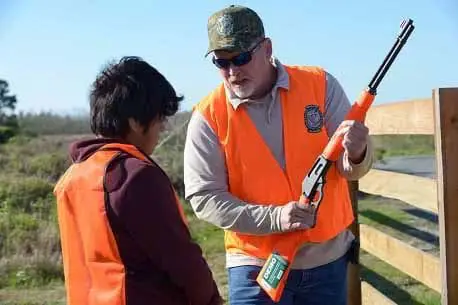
[
  {"x": 32, "y": 271},
  {"x": 25, "y": 194},
  {"x": 6, "y": 133},
  {"x": 48, "y": 166}
]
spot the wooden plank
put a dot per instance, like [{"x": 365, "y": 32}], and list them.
[
  {"x": 420, "y": 265},
  {"x": 354, "y": 270},
  {"x": 406, "y": 117},
  {"x": 446, "y": 128},
  {"x": 417, "y": 191},
  {"x": 372, "y": 296}
]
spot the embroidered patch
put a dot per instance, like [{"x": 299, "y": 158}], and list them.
[
  {"x": 313, "y": 118},
  {"x": 225, "y": 25}
]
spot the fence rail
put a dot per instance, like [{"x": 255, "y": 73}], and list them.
[
  {"x": 417, "y": 191},
  {"x": 437, "y": 116},
  {"x": 420, "y": 265}
]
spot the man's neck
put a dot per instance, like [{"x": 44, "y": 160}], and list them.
[{"x": 269, "y": 84}]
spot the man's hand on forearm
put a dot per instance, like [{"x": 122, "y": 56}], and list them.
[{"x": 230, "y": 213}]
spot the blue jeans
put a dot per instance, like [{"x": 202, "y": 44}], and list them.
[{"x": 322, "y": 285}]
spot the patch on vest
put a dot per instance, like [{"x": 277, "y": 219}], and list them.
[{"x": 313, "y": 118}]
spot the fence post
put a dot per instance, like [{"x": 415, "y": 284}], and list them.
[
  {"x": 353, "y": 274},
  {"x": 446, "y": 140}
]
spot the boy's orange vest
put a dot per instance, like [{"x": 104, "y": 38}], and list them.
[
  {"x": 94, "y": 272},
  {"x": 256, "y": 177}
]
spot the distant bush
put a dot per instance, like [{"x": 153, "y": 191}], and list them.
[
  {"x": 172, "y": 163},
  {"x": 6, "y": 133},
  {"x": 49, "y": 166},
  {"x": 169, "y": 152},
  {"x": 29, "y": 235},
  {"x": 30, "y": 271},
  {"x": 47, "y": 123},
  {"x": 25, "y": 194}
]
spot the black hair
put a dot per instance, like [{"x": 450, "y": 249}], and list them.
[{"x": 130, "y": 88}]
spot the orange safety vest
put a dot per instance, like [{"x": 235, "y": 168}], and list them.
[
  {"x": 94, "y": 272},
  {"x": 255, "y": 176}
]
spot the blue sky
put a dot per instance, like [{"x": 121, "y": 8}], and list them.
[{"x": 50, "y": 51}]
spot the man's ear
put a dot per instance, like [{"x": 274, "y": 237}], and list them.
[{"x": 269, "y": 51}]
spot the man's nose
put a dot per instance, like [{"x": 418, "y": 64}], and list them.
[{"x": 233, "y": 70}]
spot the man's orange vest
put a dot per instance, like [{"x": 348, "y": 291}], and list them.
[
  {"x": 255, "y": 176},
  {"x": 94, "y": 272}
]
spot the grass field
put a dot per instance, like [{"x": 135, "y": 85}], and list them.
[
  {"x": 28, "y": 169},
  {"x": 403, "y": 145}
]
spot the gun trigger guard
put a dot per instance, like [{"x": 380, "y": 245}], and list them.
[{"x": 318, "y": 194}]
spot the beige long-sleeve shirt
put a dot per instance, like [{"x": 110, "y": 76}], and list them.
[{"x": 205, "y": 173}]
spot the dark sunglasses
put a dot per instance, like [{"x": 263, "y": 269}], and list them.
[{"x": 238, "y": 60}]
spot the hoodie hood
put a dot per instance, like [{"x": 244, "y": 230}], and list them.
[{"x": 83, "y": 149}]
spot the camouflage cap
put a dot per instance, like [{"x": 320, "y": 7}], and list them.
[{"x": 234, "y": 29}]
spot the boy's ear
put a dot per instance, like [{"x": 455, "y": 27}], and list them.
[{"x": 135, "y": 126}]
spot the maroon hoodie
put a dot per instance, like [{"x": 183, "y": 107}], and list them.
[{"x": 163, "y": 265}]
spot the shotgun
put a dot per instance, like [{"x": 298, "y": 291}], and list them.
[{"x": 274, "y": 273}]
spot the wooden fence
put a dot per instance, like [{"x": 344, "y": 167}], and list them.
[{"x": 439, "y": 117}]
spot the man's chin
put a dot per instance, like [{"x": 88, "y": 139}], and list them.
[{"x": 242, "y": 93}]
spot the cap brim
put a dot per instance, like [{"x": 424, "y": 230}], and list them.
[
  {"x": 208, "y": 52},
  {"x": 227, "y": 49}
]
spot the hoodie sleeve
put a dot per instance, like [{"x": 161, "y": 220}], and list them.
[{"x": 148, "y": 210}]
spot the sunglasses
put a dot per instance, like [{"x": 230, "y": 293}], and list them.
[{"x": 238, "y": 60}]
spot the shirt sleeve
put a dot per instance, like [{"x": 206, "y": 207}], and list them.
[
  {"x": 336, "y": 108},
  {"x": 205, "y": 179},
  {"x": 148, "y": 210}
]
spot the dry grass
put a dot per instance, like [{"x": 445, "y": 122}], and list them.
[{"x": 49, "y": 295}]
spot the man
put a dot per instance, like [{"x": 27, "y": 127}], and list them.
[
  {"x": 124, "y": 236},
  {"x": 250, "y": 143}
]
